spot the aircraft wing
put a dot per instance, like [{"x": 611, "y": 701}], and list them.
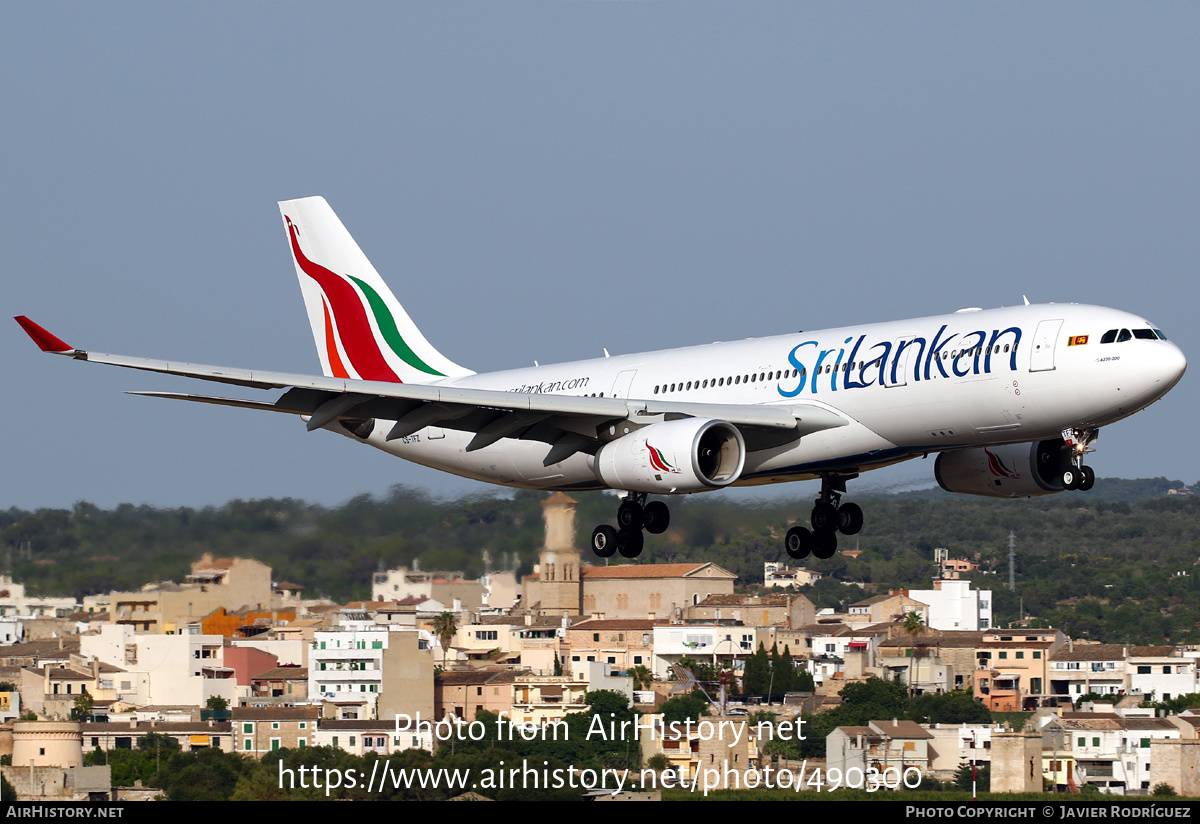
[{"x": 569, "y": 423}]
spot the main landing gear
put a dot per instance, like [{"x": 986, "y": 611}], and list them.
[
  {"x": 633, "y": 515},
  {"x": 828, "y": 518},
  {"x": 1077, "y": 443}
]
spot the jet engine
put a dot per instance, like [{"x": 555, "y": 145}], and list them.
[
  {"x": 687, "y": 455},
  {"x": 1018, "y": 470}
]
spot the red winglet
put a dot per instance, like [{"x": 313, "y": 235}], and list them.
[{"x": 46, "y": 341}]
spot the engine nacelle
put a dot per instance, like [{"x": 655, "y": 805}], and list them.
[
  {"x": 1018, "y": 470},
  {"x": 688, "y": 455}
]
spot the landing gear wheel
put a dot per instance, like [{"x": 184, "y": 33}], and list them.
[
  {"x": 1071, "y": 478},
  {"x": 824, "y": 517},
  {"x": 630, "y": 542},
  {"x": 798, "y": 543},
  {"x": 656, "y": 517},
  {"x": 630, "y": 515},
  {"x": 824, "y": 544},
  {"x": 604, "y": 541},
  {"x": 850, "y": 519},
  {"x": 1088, "y": 480}
]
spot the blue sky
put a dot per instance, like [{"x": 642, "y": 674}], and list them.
[{"x": 541, "y": 180}]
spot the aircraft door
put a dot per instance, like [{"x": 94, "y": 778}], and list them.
[
  {"x": 895, "y": 370},
  {"x": 1041, "y": 358},
  {"x": 622, "y": 383}
]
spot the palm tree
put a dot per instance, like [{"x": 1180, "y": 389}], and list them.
[
  {"x": 444, "y": 628},
  {"x": 642, "y": 677},
  {"x": 913, "y": 626}
]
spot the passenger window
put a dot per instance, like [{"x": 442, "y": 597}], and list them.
[{"x": 1124, "y": 336}]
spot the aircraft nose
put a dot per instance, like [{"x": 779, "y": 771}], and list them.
[{"x": 1169, "y": 366}]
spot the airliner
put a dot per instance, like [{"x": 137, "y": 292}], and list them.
[{"x": 1010, "y": 400}]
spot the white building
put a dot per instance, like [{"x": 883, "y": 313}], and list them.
[
  {"x": 14, "y": 603},
  {"x": 1160, "y": 676},
  {"x": 383, "y": 737},
  {"x": 11, "y": 632},
  {"x": 163, "y": 669},
  {"x": 703, "y": 642},
  {"x": 827, "y": 657},
  {"x": 345, "y": 667},
  {"x": 957, "y": 744},
  {"x": 776, "y": 574},
  {"x": 954, "y": 605}
]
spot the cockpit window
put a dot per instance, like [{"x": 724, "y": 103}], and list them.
[
  {"x": 1145, "y": 334},
  {"x": 1124, "y": 336},
  {"x": 1160, "y": 334},
  {"x": 1109, "y": 336}
]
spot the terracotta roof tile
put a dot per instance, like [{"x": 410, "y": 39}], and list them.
[{"x": 626, "y": 571}]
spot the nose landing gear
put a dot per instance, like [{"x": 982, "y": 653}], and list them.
[
  {"x": 633, "y": 515},
  {"x": 1077, "y": 443},
  {"x": 829, "y": 517}
]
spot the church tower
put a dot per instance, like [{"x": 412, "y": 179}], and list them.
[{"x": 559, "y": 586}]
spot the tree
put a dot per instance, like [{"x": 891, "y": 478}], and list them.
[
  {"x": 684, "y": 707},
  {"x": 958, "y": 707},
  {"x": 913, "y": 626},
  {"x": 82, "y": 711},
  {"x": 642, "y": 677},
  {"x": 658, "y": 762},
  {"x": 217, "y": 704},
  {"x": 756, "y": 678},
  {"x": 785, "y": 678},
  {"x": 444, "y": 628},
  {"x": 609, "y": 703},
  {"x": 154, "y": 741}
]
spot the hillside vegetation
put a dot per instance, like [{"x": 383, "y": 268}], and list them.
[{"x": 1116, "y": 564}]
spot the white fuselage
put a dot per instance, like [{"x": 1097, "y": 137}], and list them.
[{"x": 906, "y": 388}]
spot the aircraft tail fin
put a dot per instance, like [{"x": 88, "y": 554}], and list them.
[{"x": 360, "y": 329}]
